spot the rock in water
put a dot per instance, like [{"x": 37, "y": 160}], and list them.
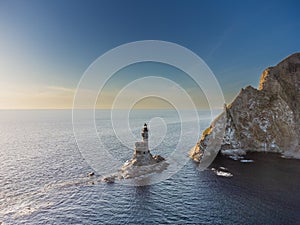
[
  {"x": 142, "y": 162},
  {"x": 264, "y": 119}
]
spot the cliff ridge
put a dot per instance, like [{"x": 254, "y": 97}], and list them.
[{"x": 263, "y": 119}]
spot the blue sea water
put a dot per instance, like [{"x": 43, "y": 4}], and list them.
[{"x": 43, "y": 178}]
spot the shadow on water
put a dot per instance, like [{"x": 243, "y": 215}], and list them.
[{"x": 264, "y": 191}]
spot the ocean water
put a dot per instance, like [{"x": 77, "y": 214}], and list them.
[{"x": 43, "y": 177}]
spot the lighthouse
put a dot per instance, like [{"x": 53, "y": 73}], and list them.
[
  {"x": 141, "y": 157},
  {"x": 141, "y": 147},
  {"x": 145, "y": 133}
]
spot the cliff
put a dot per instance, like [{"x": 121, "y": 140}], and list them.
[{"x": 263, "y": 119}]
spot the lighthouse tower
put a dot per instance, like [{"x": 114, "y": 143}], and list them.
[
  {"x": 141, "y": 147},
  {"x": 145, "y": 134}
]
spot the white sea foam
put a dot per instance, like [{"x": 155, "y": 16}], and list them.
[
  {"x": 246, "y": 160},
  {"x": 221, "y": 172}
]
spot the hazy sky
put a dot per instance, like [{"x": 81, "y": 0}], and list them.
[{"x": 45, "y": 46}]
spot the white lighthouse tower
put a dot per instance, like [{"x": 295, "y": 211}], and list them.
[
  {"x": 145, "y": 134},
  {"x": 142, "y": 157},
  {"x": 141, "y": 147}
]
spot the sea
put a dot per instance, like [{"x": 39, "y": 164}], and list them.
[{"x": 46, "y": 174}]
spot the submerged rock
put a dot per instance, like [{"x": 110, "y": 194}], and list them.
[
  {"x": 109, "y": 179},
  {"x": 264, "y": 119},
  {"x": 91, "y": 174}
]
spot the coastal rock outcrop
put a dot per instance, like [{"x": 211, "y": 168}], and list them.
[
  {"x": 263, "y": 119},
  {"x": 142, "y": 163}
]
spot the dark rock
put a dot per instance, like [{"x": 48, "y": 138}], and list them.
[
  {"x": 91, "y": 174},
  {"x": 158, "y": 158}
]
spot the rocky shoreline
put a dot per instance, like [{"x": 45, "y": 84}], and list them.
[{"x": 266, "y": 119}]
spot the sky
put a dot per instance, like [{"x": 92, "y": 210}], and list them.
[{"x": 46, "y": 46}]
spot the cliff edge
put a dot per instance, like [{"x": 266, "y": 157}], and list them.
[{"x": 263, "y": 119}]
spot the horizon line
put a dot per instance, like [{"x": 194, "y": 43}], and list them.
[{"x": 158, "y": 108}]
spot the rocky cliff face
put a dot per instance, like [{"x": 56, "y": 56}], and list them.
[{"x": 264, "y": 119}]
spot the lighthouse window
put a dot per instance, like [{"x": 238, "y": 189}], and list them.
[{"x": 144, "y": 152}]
